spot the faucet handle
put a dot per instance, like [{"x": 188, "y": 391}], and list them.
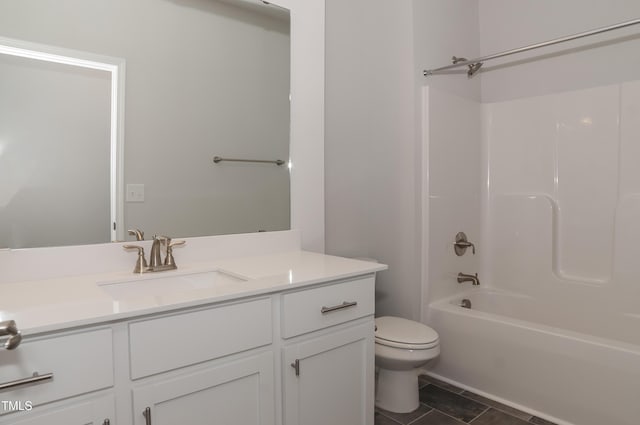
[
  {"x": 461, "y": 244},
  {"x": 139, "y": 234},
  {"x": 175, "y": 243},
  {"x": 141, "y": 263},
  {"x": 169, "y": 260},
  {"x": 164, "y": 240}
]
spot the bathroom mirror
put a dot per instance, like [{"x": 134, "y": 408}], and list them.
[{"x": 204, "y": 78}]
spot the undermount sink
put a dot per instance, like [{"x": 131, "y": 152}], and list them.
[{"x": 145, "y": 285}]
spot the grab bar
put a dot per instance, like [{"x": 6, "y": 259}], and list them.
[{"x": 217, "y": 159}]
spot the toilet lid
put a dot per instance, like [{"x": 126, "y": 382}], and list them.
[{"x": 403, "y": 333}]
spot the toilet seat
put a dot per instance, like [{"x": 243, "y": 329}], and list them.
[{"x": 406, "y": 334}]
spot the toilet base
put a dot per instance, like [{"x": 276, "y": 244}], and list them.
[{"x": 397, "y": 390}]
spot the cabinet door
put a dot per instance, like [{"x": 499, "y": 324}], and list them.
[
  {"x": 329, "y": 379},
  {"x": 239, "y": 392},
  {"x": 95, "y": 412}
]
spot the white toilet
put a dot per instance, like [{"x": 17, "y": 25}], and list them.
[{"x": 402, "y": 348}]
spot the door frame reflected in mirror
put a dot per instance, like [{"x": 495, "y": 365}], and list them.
[{"x": 114, "y": 66}]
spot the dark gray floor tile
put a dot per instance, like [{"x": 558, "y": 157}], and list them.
[
  {"x": 496, "y": 417},
  {"x": 499, "y": 406},
  {"x": 437, "y": 418},
  {"x": 405, "y": 418},
  {"x": 425, "y": 380},
  {"x": 450, "y": 403},
  {"x": 379, "y": 419},
  {"x": 539, "y": 421}
]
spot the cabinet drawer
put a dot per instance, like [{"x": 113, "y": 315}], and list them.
[
  {"x": 318, "y": 308},
  {"x": 171, "y": 342},
  {"x": 80, "y": 363}
]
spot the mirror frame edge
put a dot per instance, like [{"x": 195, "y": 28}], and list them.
[{"x": 306, "y": 151}]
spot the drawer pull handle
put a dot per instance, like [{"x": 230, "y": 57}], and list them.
[
  {"x": 345, "y": 304},
  {"x": 296, "y": 366},
  {"x": 26, "y": 381},
  {"x": 9, "y": 328},
  {"x": 147, "y": 416}
]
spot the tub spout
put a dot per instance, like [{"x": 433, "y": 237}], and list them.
[{"x": 468, "y": 278}]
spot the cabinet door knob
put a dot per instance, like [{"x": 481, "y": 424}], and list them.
[
  {"x": 106, "y": 422},
  {"x": 147, "y": 416}
]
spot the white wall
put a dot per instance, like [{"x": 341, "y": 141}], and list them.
[
  {"x": 203, "y": 78},
  {"x": 372, "y": 202},
  {"x": 595, "y": 61},
  {"x": 443, "y": 29},
  {"x": 375, "y": 187}
]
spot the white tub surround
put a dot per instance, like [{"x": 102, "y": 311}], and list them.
[
  {"x": 259, "y": 334},
  {"x": 558, "y": 228}
]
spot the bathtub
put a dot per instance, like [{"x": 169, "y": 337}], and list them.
[{"x": 577, "y": 369}]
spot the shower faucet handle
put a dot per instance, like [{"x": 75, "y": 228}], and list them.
[{"x": 461, "y": 244}]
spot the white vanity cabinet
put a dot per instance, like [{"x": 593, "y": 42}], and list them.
[
  {"x": 328, "y": 362},
  {"x": 300, "y": 355},
  {"x": 235, "y": 389},
  {"x": 100, "y": 411},
  {"x": 68, "y": 366},
  {"x": 234, "y": 392}
]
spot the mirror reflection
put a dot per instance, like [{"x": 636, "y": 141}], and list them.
[{"x": 204, "y": 78}]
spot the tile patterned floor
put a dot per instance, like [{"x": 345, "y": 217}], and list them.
[{"x": 445, "y": 404}]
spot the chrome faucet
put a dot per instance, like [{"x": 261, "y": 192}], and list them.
[
  {"x": 155, "y": 258},
  {"x": 468, "y": 278}
]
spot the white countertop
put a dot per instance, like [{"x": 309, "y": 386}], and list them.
[{"x": 53, "y": 304}]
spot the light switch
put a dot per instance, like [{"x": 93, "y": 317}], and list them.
[{"x": 135, "y": 193}]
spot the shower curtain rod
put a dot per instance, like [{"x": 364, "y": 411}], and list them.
[{"x": 475, "y": 64}]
